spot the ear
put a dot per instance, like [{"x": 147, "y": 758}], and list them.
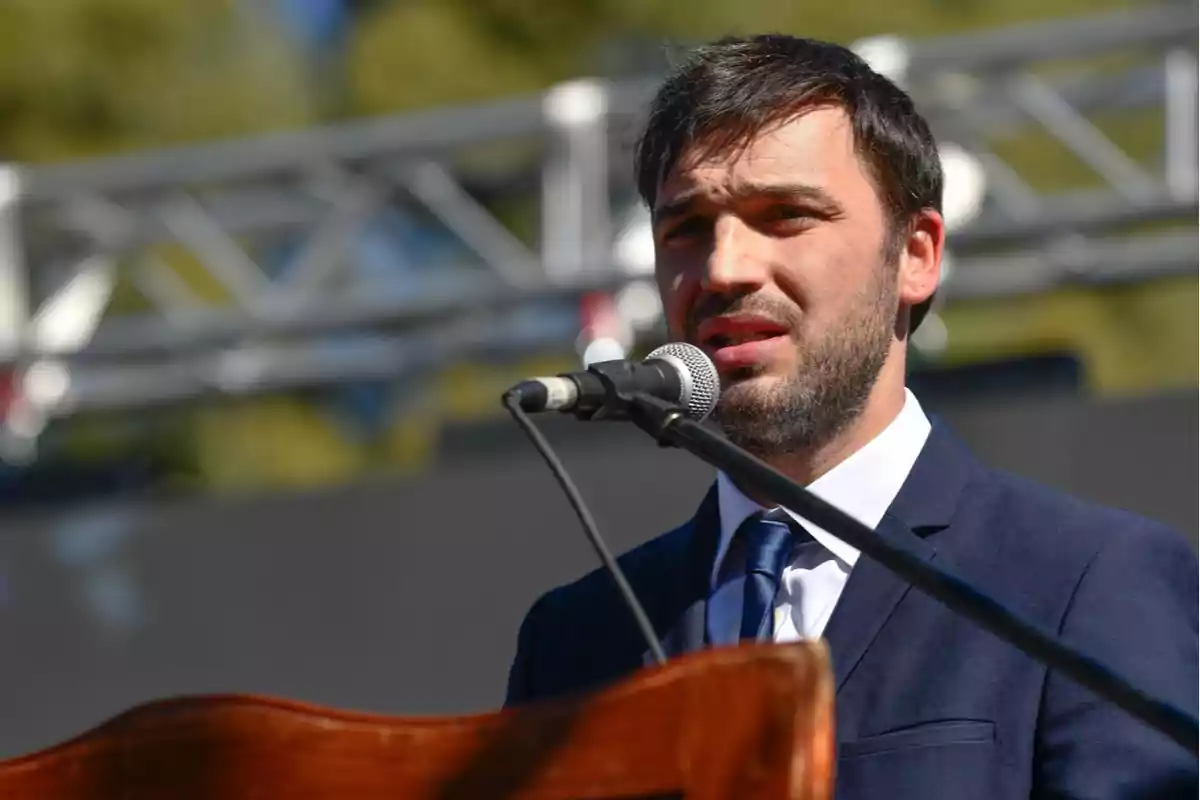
[{"x": 920, "y": 264}]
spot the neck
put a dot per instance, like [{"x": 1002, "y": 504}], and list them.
[{"x": 883, "y": 406}]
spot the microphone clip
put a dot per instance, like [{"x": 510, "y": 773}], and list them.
[{"x": 614, "y": 380}]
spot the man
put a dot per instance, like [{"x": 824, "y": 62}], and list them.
[{"x": 795, "y": 197}]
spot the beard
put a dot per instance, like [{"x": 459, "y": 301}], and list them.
[{"x": 806, "y": 410}]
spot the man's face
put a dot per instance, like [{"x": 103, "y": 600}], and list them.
[{"x": 773, "y": 259}]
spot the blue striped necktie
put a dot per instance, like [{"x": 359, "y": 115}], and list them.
[{"x": 768, "y": 541}]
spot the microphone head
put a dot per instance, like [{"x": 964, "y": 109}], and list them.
[{"x": 697, "y": 374}]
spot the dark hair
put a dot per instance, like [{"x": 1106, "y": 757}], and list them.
[{"x": 727, "y": 92}]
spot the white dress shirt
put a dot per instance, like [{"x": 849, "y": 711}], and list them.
[{"x": 863, "y": 486}]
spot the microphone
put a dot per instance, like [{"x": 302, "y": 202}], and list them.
[{"x": 677, "y": 373}]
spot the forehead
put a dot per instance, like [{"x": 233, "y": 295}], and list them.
[{"x": 815, "y": 148}]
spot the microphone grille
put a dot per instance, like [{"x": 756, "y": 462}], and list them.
[{"x": 701, "y": 382}]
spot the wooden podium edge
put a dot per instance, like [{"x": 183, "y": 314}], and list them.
[{"x": 791, "y": 670}]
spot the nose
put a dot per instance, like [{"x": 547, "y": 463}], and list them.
[{"x": 736, "y": 264}]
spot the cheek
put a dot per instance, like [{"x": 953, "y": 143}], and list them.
[
  {"x": 804, "y": 276},
  {"x": 676, "y": 296},
  {"x": 826, "y": 275}
]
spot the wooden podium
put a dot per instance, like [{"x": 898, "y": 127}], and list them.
[{"x": 750, "y": 722}]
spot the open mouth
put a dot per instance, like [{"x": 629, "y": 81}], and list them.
[
  {"x": 720, "y": 332},
  {"x": 741, "y": 341},
  {"x": 720, "y": 340}
]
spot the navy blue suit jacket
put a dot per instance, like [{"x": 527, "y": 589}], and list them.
[{"x": 928, "y": 704}]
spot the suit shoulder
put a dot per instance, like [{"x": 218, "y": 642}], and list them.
[
  {"x": 1037, "y": 548},
  {"x": 1048, "y": 518}
]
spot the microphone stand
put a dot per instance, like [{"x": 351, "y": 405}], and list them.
[{"x": 670, "y": 427}]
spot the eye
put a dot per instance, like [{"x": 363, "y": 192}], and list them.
[
  {"x": 686, "y": 228},
  {"x": 784, "y": 212}
]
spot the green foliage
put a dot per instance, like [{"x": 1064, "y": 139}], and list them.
[
  {"x": 412, "y": 53},
  {"x": 86, "y": 77}
]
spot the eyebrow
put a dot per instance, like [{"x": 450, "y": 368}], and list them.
[{"x": 682, "y": 202}]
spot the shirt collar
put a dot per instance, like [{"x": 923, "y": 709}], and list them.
[{"x": 863, "y": 485}]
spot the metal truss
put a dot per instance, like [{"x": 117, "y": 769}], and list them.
[{"x": 368, "y": 251}]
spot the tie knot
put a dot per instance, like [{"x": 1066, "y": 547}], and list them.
[{"x": 768, "y": 541}]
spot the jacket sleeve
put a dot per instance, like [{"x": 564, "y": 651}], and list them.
[
  {"x": 522, "y": 675},
  {"x": 1134, "y": 610}
]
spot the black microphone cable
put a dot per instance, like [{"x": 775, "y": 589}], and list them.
[{"x": 512, "y": 401}]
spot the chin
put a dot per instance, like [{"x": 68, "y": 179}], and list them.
[
  {"x": 749, "y": 387},
  {"x": 759, "y": 375}
]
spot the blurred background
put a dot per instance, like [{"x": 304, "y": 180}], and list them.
[{"x": 266, "y": 265}]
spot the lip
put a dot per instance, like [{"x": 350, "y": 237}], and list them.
[
  {"x": 736, "y": 324},
  {"x": 747, "y": 354},
  {"x": 743, "y": 354}
]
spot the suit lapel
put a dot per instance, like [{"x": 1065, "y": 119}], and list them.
[
  {"x": 687, "y": 577},
  {"x": 925, "y": 504},
  {"x": 868, "y": 600}
]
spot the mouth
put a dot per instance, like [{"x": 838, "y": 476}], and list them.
[
  {"x": 719, "y": 332},
  {"x": 741, "y": 341},
  {"x": 723, "y": 340}
]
